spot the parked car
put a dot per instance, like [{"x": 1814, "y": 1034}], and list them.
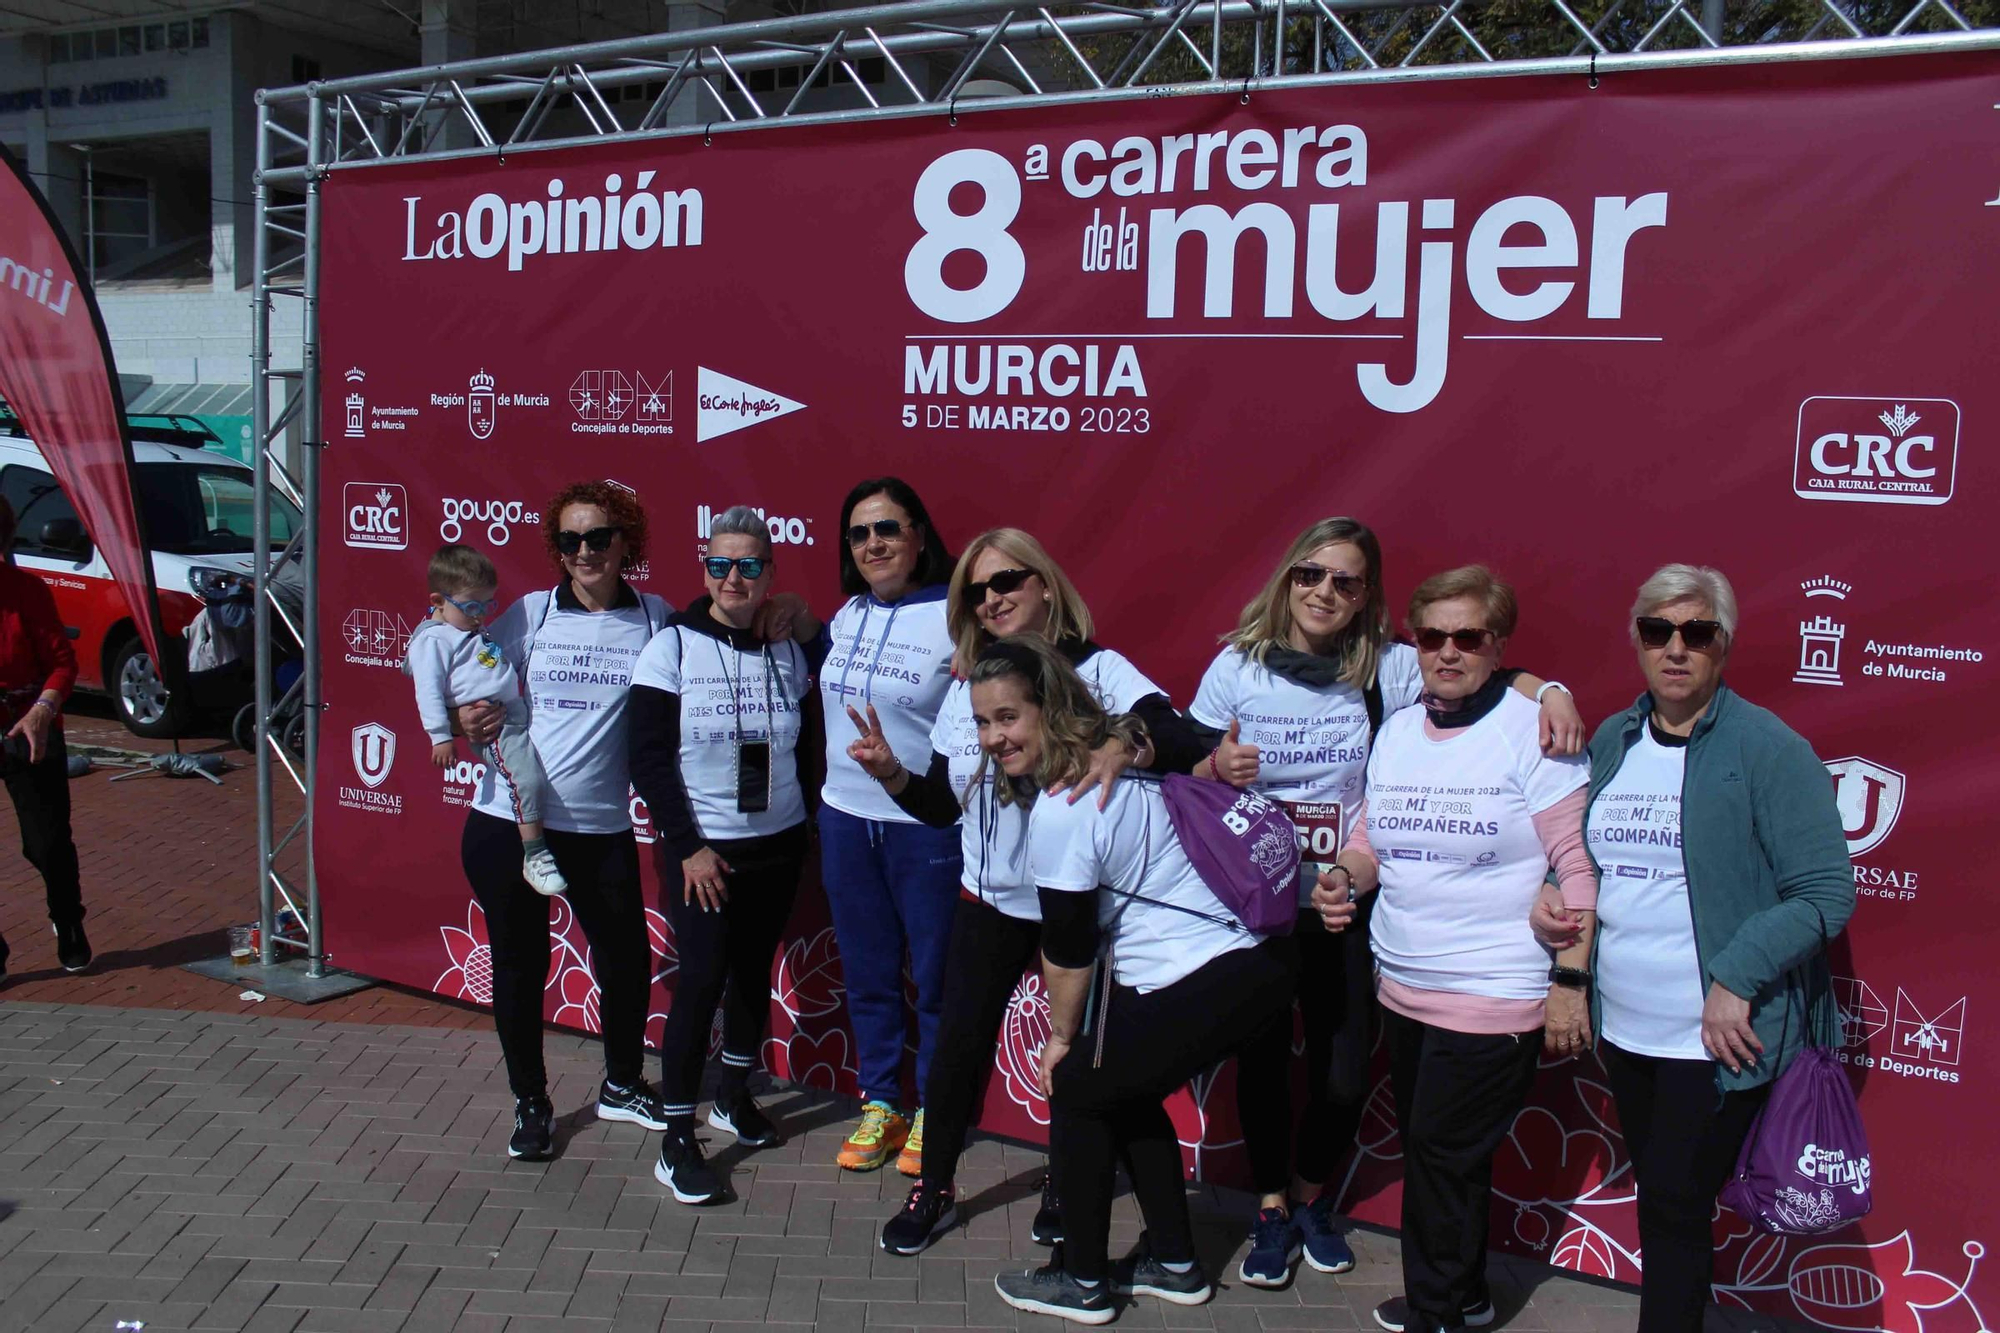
[{"x": 196, "y": 504}]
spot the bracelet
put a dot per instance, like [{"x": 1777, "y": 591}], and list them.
[
  {"x": 893, "y": 776},
  {"x": 44, "y": 703},
  {"x": 1213, "y": 771},
  {"x": 1548, "y": 685}
]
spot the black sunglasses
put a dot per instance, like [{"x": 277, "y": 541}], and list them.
[
  {"x": 1310, "y": 575},
  {"x": 1003, "y": 582},
  {"x": 718, "y": 566},
  {"x": 888, "y": 529},
  {"x": 1468, "y": 640},
  {"x": 1658, "y": 632},
  {"x": 597, "y": 539}
]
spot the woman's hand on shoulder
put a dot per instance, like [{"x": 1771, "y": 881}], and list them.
[
  {"x": 1108, "y": 763},
  {"x": 1562, "y": 732},
  {"x": 785, "y": 615}
]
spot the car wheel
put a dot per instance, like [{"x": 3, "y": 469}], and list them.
[{"x": 144, "y": 705}]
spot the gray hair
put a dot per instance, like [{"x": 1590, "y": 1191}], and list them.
[
  {"x": 741, "y": 521},
  {"x": 1672, "y": 583}
]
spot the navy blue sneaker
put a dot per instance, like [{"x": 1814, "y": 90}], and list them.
[
  {"x": 1275, "y": 1247},
  {"x": 1326, "y": 1249}
]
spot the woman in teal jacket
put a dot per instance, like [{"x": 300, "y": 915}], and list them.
[{"x": 1723, "y": 872}]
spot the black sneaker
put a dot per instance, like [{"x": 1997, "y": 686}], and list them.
[
  {"x": 1049, "y": 1290},
  {"x": 743, "y": 1118},
  {"x": 683, "y": 1170},
  {"x": 1141, "y": 1274},
  {"x": 928, "y": 1214},
  {"x": 72, "y": 947},
  {"x": 534, "y": 1139},
  {"x": 1047, "y": 1229},
  {"x": 1394, "y": 1315},
  {"x": 639, "y": 1104}
]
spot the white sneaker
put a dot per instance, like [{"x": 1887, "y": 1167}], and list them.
[{"x": 539, "y": 869}]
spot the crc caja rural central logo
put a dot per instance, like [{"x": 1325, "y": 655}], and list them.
[
  {"x": 375, "y": 514},
  {"x": 1898, "y": 451}
]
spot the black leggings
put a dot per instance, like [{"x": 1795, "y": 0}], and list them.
[
  {"x": 1684, "y": 1134},
  {"x": 1153, "y": 1043},
  {"x": 983, "y": 964},
  {"x": 725, "y": 958},
  {"x": 41, "y": 802},
  {"x": 603, "y": 874},
  {"x": 1336, "y": 995}
]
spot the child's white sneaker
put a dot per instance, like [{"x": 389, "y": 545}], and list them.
[{"x": 539, "y": 869}]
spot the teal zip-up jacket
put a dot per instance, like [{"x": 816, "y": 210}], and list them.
[{"x": 1767, "y": 869}]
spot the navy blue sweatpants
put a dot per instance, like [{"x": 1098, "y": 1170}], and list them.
[{"x": 893, "y": 889}]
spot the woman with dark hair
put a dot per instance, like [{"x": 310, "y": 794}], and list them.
[
  {"x": 891, "y": 880},
  {"x": 575, "y": 646},
  {"x": 1296, "y": 697},
  {"x": 1006, "y": 586},
  {"x": 1177, "y": 984},
  {"x": 37, "y": 671}
]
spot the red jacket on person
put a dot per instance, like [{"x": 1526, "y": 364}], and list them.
[{"x": 35, "y": 652}]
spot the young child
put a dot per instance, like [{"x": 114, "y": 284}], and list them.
[{"x": 454, "y": 663}]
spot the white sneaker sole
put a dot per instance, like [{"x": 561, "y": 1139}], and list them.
[
  {"x": 1273, "y": 1283},
  {"x": 1318, "y": 1267},
  {"x": 946, "y": 1221},
  {"x": 1103, "y": 1316},
  {"x": 1201, "y": 1297},
  {"x": 628, "y": 1116},
  {"x": 666, "y": 1177},
  {"x": 1479, "y": 1318},
  {"x": 717, "y": 1120}
]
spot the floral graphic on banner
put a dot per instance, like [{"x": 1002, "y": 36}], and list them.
[{"x": 1018, "y": 1058}]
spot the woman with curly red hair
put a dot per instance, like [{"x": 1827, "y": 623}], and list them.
[{"x": 575, "y": 646}]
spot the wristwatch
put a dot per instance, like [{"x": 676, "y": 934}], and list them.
[{"x": 1575, "y": 978}]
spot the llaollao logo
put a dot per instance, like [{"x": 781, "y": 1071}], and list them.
[{"x": 1870, "y": 798}]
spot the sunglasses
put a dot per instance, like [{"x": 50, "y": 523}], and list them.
[
  {"x": 1349, "y": 586},
  {"x": 718, "y": 566},
  {"x": 888, "y": 529},
  {"x": 1467, "y": 640},
  {"x": 1003, "y": 582},
  {"x": 597, "y": 539},
  {"x": 478, "y": 610},
  {"x": 1658, "y": 632}
]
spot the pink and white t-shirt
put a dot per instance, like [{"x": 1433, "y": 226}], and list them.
[{"x": 1451, "y": 821}]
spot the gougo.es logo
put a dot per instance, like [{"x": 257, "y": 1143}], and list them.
[{"x": 498, "y": 516}]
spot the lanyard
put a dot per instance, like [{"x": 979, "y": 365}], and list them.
[{"x": 735, "y": 700}]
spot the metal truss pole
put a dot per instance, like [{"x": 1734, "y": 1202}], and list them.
[
  {"x": 309, "y": 548},
  {"x": 260, "y": 517}
]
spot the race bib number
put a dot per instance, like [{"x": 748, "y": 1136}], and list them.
[{"x": 1318, "y": 825}]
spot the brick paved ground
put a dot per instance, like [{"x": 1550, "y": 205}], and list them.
[{"x": 203, "y": 1170}]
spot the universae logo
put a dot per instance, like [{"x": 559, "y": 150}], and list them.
[
  {"x": 1870, "y": 799},
  {"x": 373, "y": 748},
  {"x": 1876, "y": 450}
]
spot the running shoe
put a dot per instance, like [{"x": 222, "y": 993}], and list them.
[
  {"x": 1047, "y": 1229},
  {"x": 1275, "y": 1247},
  {"x": 534, "y": 1138},
  {"x": 746, "y": 1120},
  {"x": 910, "y": 1161},
  {"x": 1394, "y": 1314},
  {"x": 684, "y": 1171},
  {"x": 1050, "y": 1290},
  {"x": 880, "y": 1131},
  {"x": 72, "y": 947},
  {"x": 1326, "y": 1249},
  {"x": 929, "y": 1214},
  {"x": 638, "y": 1104},
  {"x": 1140, "y": 1273}
]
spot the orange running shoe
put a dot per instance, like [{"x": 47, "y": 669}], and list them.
[
  {"x": 910, "y": 1161},
  {"x": 881, "y": 1131}
]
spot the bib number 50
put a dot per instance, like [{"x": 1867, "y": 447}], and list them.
[{"x": 982, "y": 231}]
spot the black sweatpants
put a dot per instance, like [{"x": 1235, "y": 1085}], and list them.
[
  {"x": 1336, "y": 998},
  {"x": 1457, "y": 1093},
  {"x": 983, "y": 964},
  {"x": 725, "y": 958},
  {"x": 1684, "y": 1134},
  {"x": 1152, "y": 1044},
  {"x": 40, "y": 792},
  {"x": 603, "y": 874}
]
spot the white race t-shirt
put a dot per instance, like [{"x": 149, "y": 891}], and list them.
[
  {"x": 1130, "y": 846},
  {"x": 995, "y": 836},
  {"x": 1312, "y": 741},
  {"x": 896, "y": 656},
  {"x": 1452, "y": 824},
  {"x": 1648, "y": 973},
  {"x": 719, "y": 686},
  {"x": 579, "y": 669}
]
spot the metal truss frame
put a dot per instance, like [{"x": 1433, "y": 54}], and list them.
[{"x": 927, "y": 54}]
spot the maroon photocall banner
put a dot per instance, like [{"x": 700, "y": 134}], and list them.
[
  {"x": 56, "y": 373},
  {"x": 1739, "y": 316}
]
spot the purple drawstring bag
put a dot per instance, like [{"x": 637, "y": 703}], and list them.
[
  {"x": 1243, "y": 848},
  {"x": 1804, "y": 1168}
]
